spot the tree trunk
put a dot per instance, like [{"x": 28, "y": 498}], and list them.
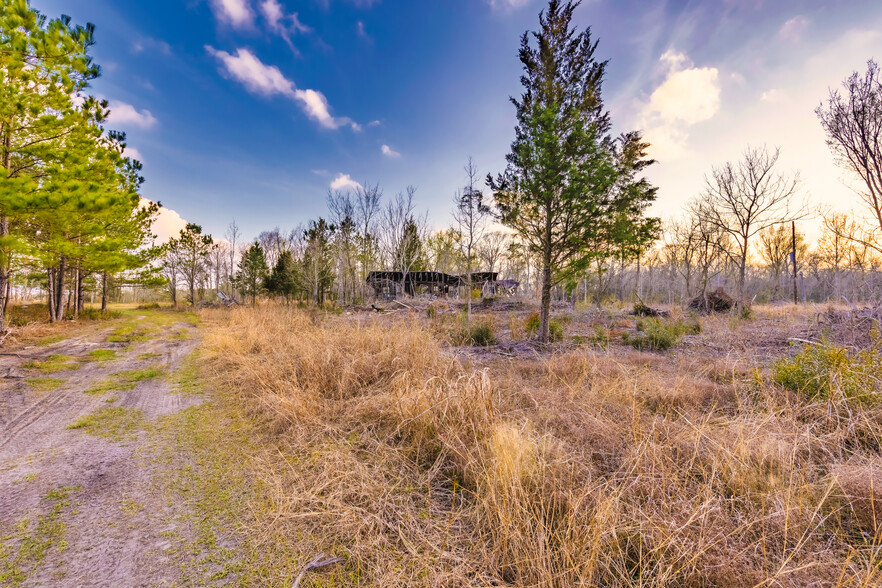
[
  {"x": 103, "y": 292},
  {"x": 59, "y": 290},
  {"x": 5, "y": 253},
  {"x": 545, "y": 307},
  {"x": 50, "y": 291},
  {"x": 81, "y": 292}
]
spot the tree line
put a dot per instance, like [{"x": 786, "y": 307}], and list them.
[{"x": 567, "y": 217}]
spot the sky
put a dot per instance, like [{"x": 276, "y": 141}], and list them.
[{"x": 251, "y": 110}]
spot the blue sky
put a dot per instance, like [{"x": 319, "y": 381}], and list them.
[{"x": 252, "y": 109}]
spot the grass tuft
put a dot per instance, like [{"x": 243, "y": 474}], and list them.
[
  {"x": 114, "y": 423},
  {"x": 126, "y": 380}
]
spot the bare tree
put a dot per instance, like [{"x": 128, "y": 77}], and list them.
[
  {"x": 470, "y": 214},
  {"x": 367, "y": 213},
  {"x": 743, "y": 198},
  {"x": 853, "y": 124},
  {"x": 402, "y": 233},
  {"x": 492, "y": 248},
  {"x": 342, "y": 209},
  {"x": 233, "y": 237},
  {"x": 776, "y": 246}
]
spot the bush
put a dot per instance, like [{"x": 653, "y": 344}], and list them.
[
  {"x": 555, "y": 328},
  {"x": 481, "y": 335},
  {"x": 823, "y": 370},
  {"x": 658, "y": 335}
]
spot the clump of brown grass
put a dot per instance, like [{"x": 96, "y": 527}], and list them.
[{"x": 577, "y": 468}]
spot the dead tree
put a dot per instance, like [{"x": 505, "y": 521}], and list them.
[{"x": 745, "y": 197}]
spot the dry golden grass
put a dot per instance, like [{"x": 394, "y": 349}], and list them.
[{"x": 578, "y": 468}]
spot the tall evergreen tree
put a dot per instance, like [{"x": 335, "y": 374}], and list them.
[
  {"x": 566, "y": 183},
  {"x": 42, "y": 65},
  {"x": 252, "y": 272},
  {"x": 285, "y": 278}
]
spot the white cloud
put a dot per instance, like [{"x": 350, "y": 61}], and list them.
[
  {"x": 343, "y": 181},
  {"x": 167, "y": 224},
  {"x": 126, "y": 114},
  {"x": 793, "y": 29},
  {"x": 133, "y": 153},
  {"x": 688, "y": 95},
  {"x": 256, "y": 76},
  {"x": 236, "y": 13},
  {"x": 268, "y": 80},
  {"x": 389, "y": 152},
  {"x": 374, "y": 123},
  {"x": 362, "y": 32}
]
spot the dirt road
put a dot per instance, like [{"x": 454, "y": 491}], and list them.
[{"x": 84, "y": 471}]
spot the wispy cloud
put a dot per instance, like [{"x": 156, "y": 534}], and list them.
[
  {"x": 344, "y": 182},
  {"x": 236, "y": 13},
  {"x": 507, "y": 4},
  {"x": 267, "y": 80},
  {"x": 282, "y": 24},
  {"x": 122, "y": 113},
  {"x": 793, "y": 29},
  {"x": 389, "y": 152}
]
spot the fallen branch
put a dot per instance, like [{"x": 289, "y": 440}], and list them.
[
  {"x": 402, "y": 304},
  {"x": 318, "y": 562}
]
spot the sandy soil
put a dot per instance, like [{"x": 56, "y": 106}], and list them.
[{"x": 78, "y": 509}]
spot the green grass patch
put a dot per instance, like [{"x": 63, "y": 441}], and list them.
[
  {"x": 146, "y": 356},
  {"x": 44, "y": 384},
  {"x": 52, "y": 364},
  {"x": 187, "y": 381},
  {"x": 125, "y": 380},
  {"x": 103, "y": 355},
  {"x": 115, "y": 423},
  {"x": 130, "y": 333}
]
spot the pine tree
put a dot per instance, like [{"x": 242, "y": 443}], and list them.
[
  {"x": 558, "y": 189},
  {"x": 285, "y": 278},
  {"x": 42, "y": 65},
  {"x": 252, "y": 272}
]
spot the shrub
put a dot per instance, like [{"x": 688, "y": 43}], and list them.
[
  {"x": 478, "y": 334},
  {"x": 555, "y": 328},
  {"x": 658, "y": 335},
  {"x": 822, "y": 369}
]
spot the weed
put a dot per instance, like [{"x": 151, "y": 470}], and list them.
[
  {"x": 114, "y": 423},
  {"x": 825, "y": 370},
  {"x": 52, "y": 364},
  {"x": 555, "y": 328},
  {"x": 659, "y": 335},
  {"x": 36, "y": 539},
  {"x": 26, "y": 478},
  {"x": 102, "y": 355},
  {"x": 44, "y": 384},
  {"x": 125, "y": 380}
]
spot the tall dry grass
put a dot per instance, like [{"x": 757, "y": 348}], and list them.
[{"x": 578, "y": 469}]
